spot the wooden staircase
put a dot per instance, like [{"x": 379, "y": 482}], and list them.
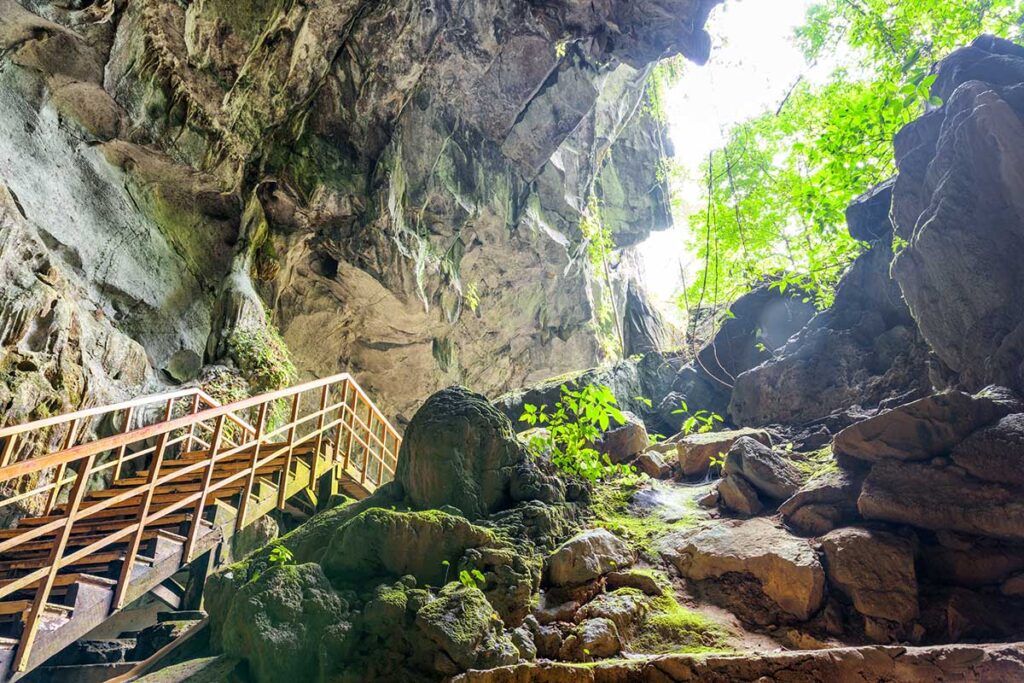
[{"x": 113, "y": 518}]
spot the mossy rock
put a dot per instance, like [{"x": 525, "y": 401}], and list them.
[
  {"x": 383, "y": 543},
  {"x": 284, "y": 621},
  {"x": 459, "y": 450},
  {"x": 462, "y": 624}
]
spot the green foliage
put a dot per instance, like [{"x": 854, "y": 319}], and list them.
[
  {"x": 472, "y": 579},
  {"x": 699, "y": 422},
  {"x": 572, "y": 427},
  {"x": 472, "y": 297},
  {"x": 600, "y": 248},
  {"x": 280, "y": 556},
  {"x": 777, "y": 192},
  {"x": 263, "y": 357},
  {"x": 663, "y": 76},
  {"x": 641, "y": 527}
]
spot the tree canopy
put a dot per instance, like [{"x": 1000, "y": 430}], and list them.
[{"x": 776, "y": 193}]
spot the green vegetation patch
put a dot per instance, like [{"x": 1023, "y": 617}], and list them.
[{"x": 614, "y": 511}]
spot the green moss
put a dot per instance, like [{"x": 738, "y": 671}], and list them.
[
  {"x": 642, "y": 528},
  {"x": 814, "y": 464},
  {"x": 263, "y": 357},
  {"x": 671, "y": 628}
]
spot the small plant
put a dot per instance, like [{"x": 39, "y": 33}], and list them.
[
  {"x": 654, "y": 438},
  {"x": 472, "y": 297},
  {"x": 472, "y": 579},
  {"x": 572, "y": 428},
  {"x": 700, "y": 422},
  {"x": 717, "y": 462},
  {"x": 281, "y": 556},
  {"x": 447, "y": 565}
]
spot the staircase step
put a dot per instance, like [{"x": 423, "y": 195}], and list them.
[
  {"x": 90, "y": 525},
  {"x": 97, "y": 560}
]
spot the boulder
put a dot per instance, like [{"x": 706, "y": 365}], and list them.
[
  {"x": 587, "y": 556},
  {"x": 737, "y": 495},
  {"x": 995, "y": 453},
  {"x": 621, "y": 442},
  {"x": 591, "y": 639},
  {"x": 940, "y": 498},
  {"x": 643, "y": 328},
  {"x": 960, "y": 215},
  {"x": 753, "y": 567},
  {"x": 281, "y": 623},
  {"x": 653, "y": 465},
  {"x": 696, "y": 450},
  {"x": 875, "y": 569},
  {"x": 763, "y": 468},
  {"x": 624, "y": 608},
  {"x": 823, "y": 503},
  {"x": 462, "y": 625},
  {"x": 382, "y": 543},
  {"x": 924, "y": 428},
  {"x": 459, "y": 450}
]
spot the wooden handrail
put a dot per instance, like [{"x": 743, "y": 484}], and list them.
[{"x": 369, "y": 456}]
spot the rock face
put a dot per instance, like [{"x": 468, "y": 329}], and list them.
[
  {"x": 864, "y": 350},
  {"x": 875, "y": 569},
  {"x": 761, "y": 322},
  {"x": 823, "y": 503},
  {"x": 755, "y": 568},
  {"x": 922, "y": 429},
  {"x": 995, "y": 453},
  {"x": 402, "y": 183},
  {"x": 940, "y": 498},
  {"x": 459, "y": 450},
  {"x": 962, "y": 214}
]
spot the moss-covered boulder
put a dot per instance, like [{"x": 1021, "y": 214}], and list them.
[
  {"x": 459, "y": 450},
  {"x": 387, "y": 543},
  {"x": 286, "y": 624},
  {"x": 465, "y": 630}
]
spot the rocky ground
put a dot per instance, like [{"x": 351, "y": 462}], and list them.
[{"x": 859, "y": 515}]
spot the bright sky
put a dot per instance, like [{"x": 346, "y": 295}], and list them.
[{"x": 754, "y": 62}]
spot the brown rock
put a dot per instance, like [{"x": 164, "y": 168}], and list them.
[
  {"x": 739, "y": 496},
  {"x": 645, "y": 583},
  {"x": 932, "y": 498},
  {"x": 622, "y": 442},
  {"x": 875, "y": 569},
  {"x": 995, "y": 453},
  {"x": 788, "y": 579},
  {"x": 969, "y": 561},
  {"x": 823, "y": 503},
  {"x": 696, "y": 450},
  {"x": 921, "y": 429},
  {"x": 652, "y": 464},
  {"x": 763, "y": 468}
]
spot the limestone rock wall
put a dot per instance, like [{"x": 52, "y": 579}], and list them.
[{"x": 401, "y": 183}]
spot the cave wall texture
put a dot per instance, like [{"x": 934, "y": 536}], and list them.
[{"x": 365, "y": 170}]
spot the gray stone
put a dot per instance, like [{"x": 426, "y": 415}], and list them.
[
  {"x": 587, "y": 556},
  {"x": 737, "y": 495},
  {"x": 763, "y": 468},
  {"x": 995, "y": 453}
]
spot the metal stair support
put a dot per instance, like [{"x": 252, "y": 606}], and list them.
[{"x": 114, "y": 517}]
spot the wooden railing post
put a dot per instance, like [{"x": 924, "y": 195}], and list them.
[
  {"x": 147, "y": 498},
  {"x": 340, "y": 419},
  {"x": 8, "y": 452},
  {"x": 197, "y": 514},
  {"x": 282, "y": 491},
  {"x": 243, "y": 503},
  {"x": 189, "y": 444},
  {"x": 324, "y": 393},
  {"x": 51, "y": 501},
  {"x": 21, "y": 657},
  {"x": 128, "y": 415}
]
